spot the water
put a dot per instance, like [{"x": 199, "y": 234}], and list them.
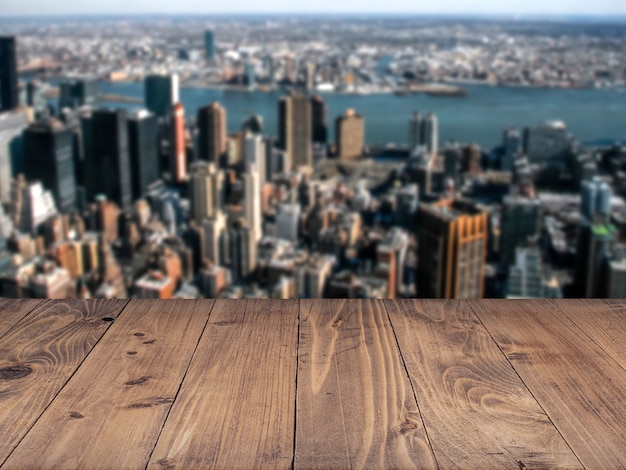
[{"x": 591, "y": 115}]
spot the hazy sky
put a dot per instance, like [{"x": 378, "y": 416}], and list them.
[{"x": 570, "y": 7}]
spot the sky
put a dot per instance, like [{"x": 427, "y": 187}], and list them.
[{"x": 508, "y": 7}]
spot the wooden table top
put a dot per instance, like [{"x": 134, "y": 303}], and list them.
[{"x": 312, "y": 384}]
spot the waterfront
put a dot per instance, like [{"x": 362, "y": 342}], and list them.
[{"x": 590, "y": 114}]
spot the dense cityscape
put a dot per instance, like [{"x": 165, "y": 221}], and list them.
[{"x": 152, "y": 203}]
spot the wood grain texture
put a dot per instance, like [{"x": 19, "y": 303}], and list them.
[
  {"x": 355, "y": 405},
  {"x": 236, "y": 407},
  {"x": 113, "y": 409},
  {"x": 477, "y": 411},
  {"x": 40, "y": 354},
  {"x": 13, "y": 310},
  {"x": 581, "y": 388},
  {"x": 604, "y": 321}
]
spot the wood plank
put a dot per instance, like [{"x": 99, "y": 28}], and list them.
[
  {"x": 38, "y": 356},
  {"x": 355, "y": 404},
  {"x": 13, "y": 310},
  {"x": 581, "y": 388},
  {"x": 477, "y": 411},
  {"x": 236, "y": 407},
  {"x": 113, "y": 409},
  {"x": 604, "y": 321}
]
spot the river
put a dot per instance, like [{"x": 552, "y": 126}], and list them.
[{"x": 591, "y": 115}]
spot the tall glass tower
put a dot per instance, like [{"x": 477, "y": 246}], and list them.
[{"x": 209, "y": 44}]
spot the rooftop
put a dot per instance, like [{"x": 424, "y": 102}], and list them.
[{"x": 312, "y": 384}]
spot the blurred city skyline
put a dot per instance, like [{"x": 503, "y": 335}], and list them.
[{"x": 532, "y": 8}]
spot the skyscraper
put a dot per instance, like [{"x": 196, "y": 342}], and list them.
[
  {"x": 319, "y": 116},
  {"x": 452, "y": 245},
  {"x": 252, "y": 200},
  {"x": 110, "y": 163},
  {"x": 48, "y": 151},
  {"x": 161, "y": 93},
  {"x": 424, "y": 131},
  {"x": 143, "y": 151},
  {"x": 254, "y": 154},
  {"x": 294, "y": 113},
  {"x": 9, "y": 94},
  {"x": 212, "y": 133},
  {"x": 350, "y": 135},
  {"x": 77, "y": 93},
  {"x": 452, "y": 163},
  {"x": 178, "y": 158},
  {"x": 206, "y": 192},
  {"x": 521, "y": 221},
  {"x": 12, "y": 124},
  {"x": 209, "y": 44}
]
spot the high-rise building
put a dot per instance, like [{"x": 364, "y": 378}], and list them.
[
  {"x": 76, "y": 93},
  {"x": 430, "y": 133},
  {"x": 161, "y": 93},
  {"x": 178, "y": 157},
  {"x": 253, "y": 125},
  {"x": 595, "y": 203},
  {"x": 9, "y": 93},
  {"x": 526, "y": 277},
  {"x": 206, "y": 191},
  {"x": 294, "y": 112},
  {"x": 511, "y": 146},
  {"x": 12, "y": 125},
  {"x": 319, "y": 118},
  {"x": 48, "y": 149},
  {"x": 470, "y": 162},
  {"x": 616, "y": 282},
  {"x": 209, "y": 44},
  {"x": 109, "y": 164},
  {"x": 143, "y": 151},
  {"x": 452, "y": 246},
  {"x": 31, "y": 205},
  {"x": 254, "y": 154},
  {"x": 452, "y": 160},
  {"x": 547, "y": 143},
  {"x": 252, "y": 200},
  {"x": 249, "y": 73},
  {"x": 215, "y": 239},
  {"x": 423, "y": 131},
  {"x": 521, "y": 221},
  {"x": 242, "y": 246},
  {"x": 212, "y": 133},
  {"x": 213, "y": 280},
  {"x": 350, "y": 135},
  {"x": 288, "y": 221}
]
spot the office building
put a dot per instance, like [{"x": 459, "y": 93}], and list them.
[
  {"x": 178, "y": 156},
  {"x": 511, "y": 148},
  {"x": 12, "y": 125},
  {"x": 252, "y": 200},
  {"x": 9, "y": 92},
  {"x": 595, "y": 201},
  {"x": 48, "y": 150},
  {"x": 521, "y": 222},
  {"x": 594, "y": 250},
  {"x": 452, "y": 245},
  {"x": 254, "y": 154},
  {"x": 215, "y": 246},
  {"x": 350, "y": 135},
  {"x": 249, "y": 74},
  {"x": 161, "y": 93},
  {"x": 143, "y": 132},
  {"x": 206, "y": 192},
  {"x": 470, "y": 162},
  {"x": 423, "y": 131},
  {"x": 109, "y": 163},
  {"x": 209, "y": 45},
  {"x": 548, "y": 143},
  {"x": 76, "y": 93},
  {"x": 452, "y": 160},
  {"x": 616, "y": 282},
  {"x": 288, "y": 221},
  {"x": 527, "y": 277},
  {"x": 212, "y": 139},
  {"x": 319, "y": 120},
  {"x": 294, "y": 118},
  {"x": 213, "y": 280},
  {"x": 407, "y": 202},
  {"x": 242, "y": 250},
  {"x": 31, "y": 205}
]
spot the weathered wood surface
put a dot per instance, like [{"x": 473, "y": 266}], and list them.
[
  {"x": 477, "y": 411},
  {"x": 312, "y": 384},
  {"x": 110, "y": 413},
  {"x": 581, "y": 388},
  {"x": 603, "y": 321},
  {"x": 13, "y": 310},
  {"x": 355, "y": 404},
  {"x": 236, "y": 407},
  {"x": 40, "y": 354}
]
